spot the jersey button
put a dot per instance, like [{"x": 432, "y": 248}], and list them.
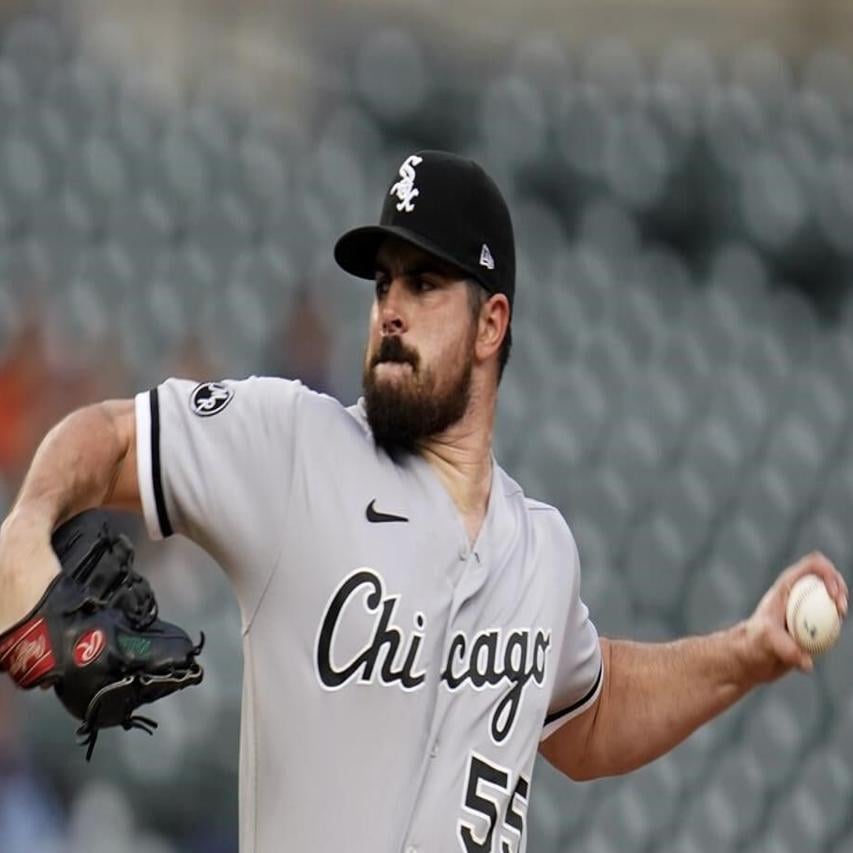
[
  {"x": 433, "y": 753},
  {"x": 463, "y": 553},
  {"x": 411, "y": 849}
]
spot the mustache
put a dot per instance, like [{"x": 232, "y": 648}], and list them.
[{"x": 392, "y": 349}]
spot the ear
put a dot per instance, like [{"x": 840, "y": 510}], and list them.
[{"x": 492, "y": 326}]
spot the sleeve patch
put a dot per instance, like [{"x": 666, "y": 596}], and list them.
[{"x": 210, "y": 398}]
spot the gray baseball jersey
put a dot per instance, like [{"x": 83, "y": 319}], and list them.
[{"x": 397, "y": 680}]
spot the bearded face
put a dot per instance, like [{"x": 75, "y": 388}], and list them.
[{"x": 408, "y": 400}]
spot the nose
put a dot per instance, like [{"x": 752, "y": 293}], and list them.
[{"x": 391, "y": 309}]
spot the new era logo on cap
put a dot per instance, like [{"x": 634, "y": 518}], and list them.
[{"x": 486, "y": 259}]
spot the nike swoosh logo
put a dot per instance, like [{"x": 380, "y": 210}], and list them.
[{"x": 377, "y": 517}]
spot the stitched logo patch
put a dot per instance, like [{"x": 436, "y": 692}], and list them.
[
  {"x": 134, "y": 647},
  {"x": 404, "y": 189},
  {"x": 27, "y": 655},
  {"x": 486, "y": 259},
  {"x": 210, "y": 398},
  {"x": 89, "y": 647}
]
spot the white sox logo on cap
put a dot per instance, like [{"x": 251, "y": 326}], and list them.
[{"x": 404, "y": 189}]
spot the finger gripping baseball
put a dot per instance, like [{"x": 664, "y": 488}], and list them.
[{"x": 95, "y": 635}]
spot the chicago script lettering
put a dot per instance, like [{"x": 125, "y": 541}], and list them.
[
  {"x": 486, "y": 666},
  {"x": 384, "y": 645},
  {"x": 492, "y": 659}
]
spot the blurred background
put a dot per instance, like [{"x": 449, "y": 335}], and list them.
[{"x": 172, "y": 179}]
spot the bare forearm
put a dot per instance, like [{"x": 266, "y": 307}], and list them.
[
  {"x": 657, "y": 694},
  {"x": 75, "y": 467}
]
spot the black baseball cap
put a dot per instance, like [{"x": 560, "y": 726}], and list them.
[{"x": 448, "y": 206}]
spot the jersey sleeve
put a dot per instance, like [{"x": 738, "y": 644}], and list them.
[
  {"x": 580, "y": 672},
  {"x": 215, "y": 463}
]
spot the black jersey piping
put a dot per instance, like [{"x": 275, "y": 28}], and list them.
[
  {"x": 156, "y": 478},
  {"x": 556, "y": 715}
]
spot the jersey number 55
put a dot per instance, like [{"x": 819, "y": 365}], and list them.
[{"x": 487, "y": 791}]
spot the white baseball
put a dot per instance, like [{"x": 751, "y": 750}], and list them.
[{"x": 811, "y": 616}]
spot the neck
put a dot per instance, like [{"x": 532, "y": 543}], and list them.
[{"x": 462, "y": 458}]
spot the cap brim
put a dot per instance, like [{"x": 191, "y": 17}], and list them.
[{"x": 355, "y": 251}]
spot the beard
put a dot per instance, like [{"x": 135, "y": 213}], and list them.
[{"x": 401, "y": 413}]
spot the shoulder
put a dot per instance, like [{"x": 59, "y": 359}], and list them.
[
  {"x": 551, "y": 519},
  {"x": 257, "y": 409},
  {"x": 537, "y": 511},
  {"x": 210, "y": 397},
  {"x": 547, "y": 522},
  {"x": 268, "y": 396},
  {"x": 287, "y": 403}
]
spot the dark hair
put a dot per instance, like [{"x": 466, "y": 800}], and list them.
[{"x": 477, "y": 295}]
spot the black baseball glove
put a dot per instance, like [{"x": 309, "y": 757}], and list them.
[{"x": 95, "y": 636}]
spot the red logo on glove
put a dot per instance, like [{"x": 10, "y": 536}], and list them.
[
  {"x": 26, "y": 654},
  {"x": 89, "y": 647}
]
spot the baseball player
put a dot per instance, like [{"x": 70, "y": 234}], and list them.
[{"x": 412, "y": 625}]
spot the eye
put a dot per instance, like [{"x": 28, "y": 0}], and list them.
[
  {"x": 382, "y": 285},
  {"x": 424, "y": 285}
]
